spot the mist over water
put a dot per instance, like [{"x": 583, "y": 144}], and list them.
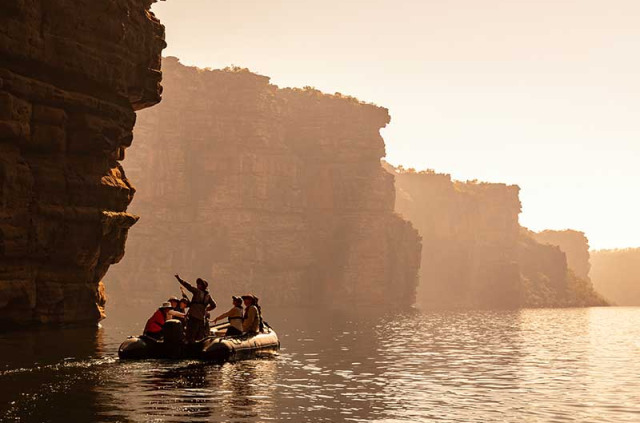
[{"x": 513, "y": 366}]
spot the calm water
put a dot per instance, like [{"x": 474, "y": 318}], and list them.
[{"x": 523, "y": 366}]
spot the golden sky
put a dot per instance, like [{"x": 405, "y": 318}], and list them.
[{"x": 540, "y": 93}]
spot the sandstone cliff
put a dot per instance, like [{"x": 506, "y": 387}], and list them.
[
  {"x": 616, "y": 275},
  {"x": 475, "y": 254},
  {"x": 72, "y": 73},
  {"x": 277, "y": 191},
  {"x": 574, "y": 244},
  {"x": 469, "y": 237}
]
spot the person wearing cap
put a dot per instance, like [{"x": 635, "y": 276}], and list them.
[
  {"x": 177, "y": 311},
  {"x": 252, "y": 321},
  {"x": 201, "y": 303},
  {"x": 153, "y": 328},
  {"x": 234, "y": 315},
  {"x": 175, "y": 303}
]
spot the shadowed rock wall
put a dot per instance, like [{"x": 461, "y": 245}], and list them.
[
  {"x": 72, "y": 73},
  {"x": 278, "y": 191},
  {"x": 475, "y": 254}
]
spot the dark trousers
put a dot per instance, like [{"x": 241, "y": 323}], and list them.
[{"x": 196, "y": 329}]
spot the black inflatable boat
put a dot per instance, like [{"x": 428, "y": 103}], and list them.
[{"x": 216, "y": 347}]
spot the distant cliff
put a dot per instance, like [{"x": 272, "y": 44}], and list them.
[
  {"x": 72, "y": 73},
  {"x": 469, "y": 237},
  {"x": 257, "y": 188},
  {"x": 616, "y": 275},
  {"x": 574, "y": 244},
  {"x": 573, "y": 286},
  {"x": 475, "y": 254}
]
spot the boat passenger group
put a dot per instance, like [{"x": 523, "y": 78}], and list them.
[{"x": 195, "y": 313}]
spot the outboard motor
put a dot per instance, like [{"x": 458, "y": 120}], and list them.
[
  {"x": 170, "y": 346},
  {"x": 173, "y": 338}
]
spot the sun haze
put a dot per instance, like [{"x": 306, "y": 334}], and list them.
[{"x": 543, "y": 94}]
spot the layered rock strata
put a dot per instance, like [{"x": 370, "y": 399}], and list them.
[
  {"x": 475, "y": 253},
  {"x": 72, "y": 73},
  {"x": 256, "y": 188}
]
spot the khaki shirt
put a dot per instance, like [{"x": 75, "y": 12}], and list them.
[
  {"x": 251, "y": 322},
  {"x": 199, "y": 301}
]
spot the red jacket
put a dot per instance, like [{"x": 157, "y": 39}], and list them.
[{"x": 155, "y": 322}]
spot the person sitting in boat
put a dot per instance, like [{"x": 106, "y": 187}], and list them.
[
  {"x": 234, "y": 315},
  {"x": 201, "y": 303},
  {"x": 153, "y": 328},
  {"x": 177, "y": 310},
  {"x": 183, "y": 305},
  {"x": 252, "y": 320}
]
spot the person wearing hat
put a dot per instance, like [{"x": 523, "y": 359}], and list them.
[
  {"x": 175, "y": 303},
  {"x": 201, "y": 303},
  {"x": 153, "y": 328},
  {"x": 234, "y": 315},
  {"x": 177, "y": 311},
  {"x": 183, "y": 305},
  {"x": 252, "y": 321}
]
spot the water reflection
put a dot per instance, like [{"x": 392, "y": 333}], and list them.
[
  {"x": 510, "y": 366},
  {"x": 41, "y": 367},
  {"x": 40, "y": 346}
]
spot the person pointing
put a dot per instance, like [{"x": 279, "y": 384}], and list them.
[{"x": 201, "y": 303}]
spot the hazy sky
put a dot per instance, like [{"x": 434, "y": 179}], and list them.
[{"x": 540, "y": 93}]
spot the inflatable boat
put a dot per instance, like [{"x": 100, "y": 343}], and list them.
[{"x": 216, "y": 347}]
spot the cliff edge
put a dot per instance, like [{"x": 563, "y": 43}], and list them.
[
  {"x": 475, "y": 253},
  {"x": 258, "y": 188},
  {"x": 72, "y": 73}
]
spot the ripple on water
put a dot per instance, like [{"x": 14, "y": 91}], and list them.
[{"x": 530, "y": 365}]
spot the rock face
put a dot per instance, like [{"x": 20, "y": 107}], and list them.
[
  {"x": 616, "y": 275},
  {"x": 475, "y": 253},
  {"x": 72, "y": 72},
  {"x": 469, "y": 237},
  {"x": 574, "y": 244},
  {"x": 277, "y": 191},
  {"x": 580, "y": 290}
]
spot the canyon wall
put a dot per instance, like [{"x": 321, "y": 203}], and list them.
[
  {"x": 475, "y": 253},
  {"x": 257, "y": 188},
  {"x": 616, "y": 275},
  {"x": 574, "y": 244},
  {"x": 469, "y": 237},
  {"x": 72, "y": 73}
]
